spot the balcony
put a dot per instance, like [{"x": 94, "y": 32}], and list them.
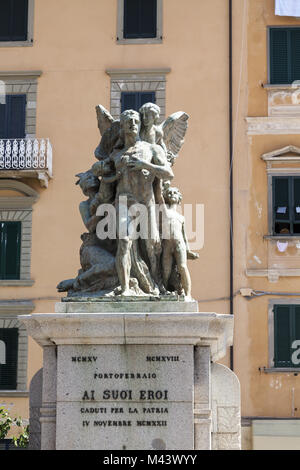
[{"x": 26, "y": 158}]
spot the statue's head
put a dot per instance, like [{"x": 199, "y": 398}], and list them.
[
  {"x": 88, "y": 182},
  {"x": 172, "y": 195},
  {"x": 130, "y": 122},
  {"x": 150, "y": 114}
]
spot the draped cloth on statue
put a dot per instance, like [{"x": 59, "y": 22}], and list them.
[{"x": 287, "y": 8}]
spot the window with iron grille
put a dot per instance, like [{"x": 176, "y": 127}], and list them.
[
  {"x": 286, "y": 331},
  {"x": 284, "y": 52},
  {"x": 286, "y": 205},
  {"x": 13, "y": 20}
]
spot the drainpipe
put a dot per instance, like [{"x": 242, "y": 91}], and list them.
[{"x": 231, "y": 171}]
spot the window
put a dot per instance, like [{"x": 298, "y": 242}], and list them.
[
  {"x": 130, "y": 87},
  {"x": 13, "y": 20},
  {"x": 16, "y": 23},
  {"x": 284, "y": 47},
  {"x": 286, "y": 331},
  {"x": 286, "y": 205},
  {"x": 134, "y": 100},
  {"x": 14, "y": 348},
  {"x": 139, "y": 21},
  {"x": 10, "y": 249},
  {"x": 13, "y": 117},
  {"x": 15, "y": 233},
  {"x": 8, "y": 367}
]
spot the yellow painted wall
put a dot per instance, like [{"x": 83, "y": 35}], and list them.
[{"x": 74, "y": 43}]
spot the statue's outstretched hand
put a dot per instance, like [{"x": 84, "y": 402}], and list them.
[{"x": 192, "y": 255}]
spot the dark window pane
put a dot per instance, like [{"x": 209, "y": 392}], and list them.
[
  {"x": 283, "y": 340},
  {"x": 5, "y": 19},
  {"x": 2, "y": 121},
  {"x": 147, "y": 98},
  {"x": 16, "y": 115},
  {"x": 129, "y": 101},
  {"x": 148, "y": 18},
  {"x": 19, "y": 20},
  {"x": 13, "y": 20},
  {"x": 140, "y": 18},
  {"x": 8, "y": 371},
  {"x": 131, "y": 18}
]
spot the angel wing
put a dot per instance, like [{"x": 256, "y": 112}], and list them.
[
  {"x": 174, "y": 130},
  {"x": 104, "y": 118},
  {"x": 110, "y": 132}
]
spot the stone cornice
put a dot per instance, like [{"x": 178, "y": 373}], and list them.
[
  {"x": 273, "y": 125},
  {"x": 20, "y": 74},
  {"x": 136, "y": 73},
  {"x": 198, "y": 329}
]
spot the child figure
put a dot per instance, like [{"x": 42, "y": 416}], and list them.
[{"x": 174, "y": 242}]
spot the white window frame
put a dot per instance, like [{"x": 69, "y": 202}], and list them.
[
  {"x": 29, "y": 40},
  {"x": 120, "y": 25}
]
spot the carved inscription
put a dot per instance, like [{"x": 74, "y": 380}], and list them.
[{"x": 113, "y": 388}]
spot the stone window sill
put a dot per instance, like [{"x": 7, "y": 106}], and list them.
[
  {"x": 16, "y": 282},
  {"x": 279, "y": 370},
  {"x": 282, "y": 237},
  {"x": 28, "y": 43},
  {"x": 283, "y": 86},
  {"x": 139, "y": 41},
  {"x": 14, "y": 393}
]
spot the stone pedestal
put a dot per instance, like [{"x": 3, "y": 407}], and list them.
[{"x": 143, "y": 379}]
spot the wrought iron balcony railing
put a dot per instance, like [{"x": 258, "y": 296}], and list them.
[{"x": 26, "y": 157}]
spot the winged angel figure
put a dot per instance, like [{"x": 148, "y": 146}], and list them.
[{"x": 135, "y": 156}]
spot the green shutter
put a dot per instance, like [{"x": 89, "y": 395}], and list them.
[
  {"x": 282, "y": 336},
  {"x": 8, "y": 371},
  {"x": 295, "y": 54},
  {"x": 10, "y": 250},
  {"x": 279, "y": 56},
  {"x": 284, "y": 49}
]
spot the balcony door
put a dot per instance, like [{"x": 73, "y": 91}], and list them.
[{"x": 12, "y": 117}]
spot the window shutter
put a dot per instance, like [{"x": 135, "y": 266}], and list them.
[
  {"x": 148, "y": 18},
  {"x": 148, "y": 97},
  {"x": 134, "y": 100},
  {"x": 282, "y": 336},
  {"x": 10, "y": 250},
  {"x": 8, "y": 371},
  {"x": 2, "y": 121},
  {"x": 295, "y": 54},
  {"x": 281, "y": 204},
  {"x": 13, "y": 20},
  {"x": 279, "y": 51},
  {"x": 129, "y": 101},
  {"x": 19, "y": 20},
  {"x": 140, "y": 18},
  {"x": 5, "y": 16},
  {"x": 131, "y": 19},
  {"x": 16, "y": 116}
]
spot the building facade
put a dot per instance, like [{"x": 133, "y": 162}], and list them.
[{"x": 61, "y": 58}]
